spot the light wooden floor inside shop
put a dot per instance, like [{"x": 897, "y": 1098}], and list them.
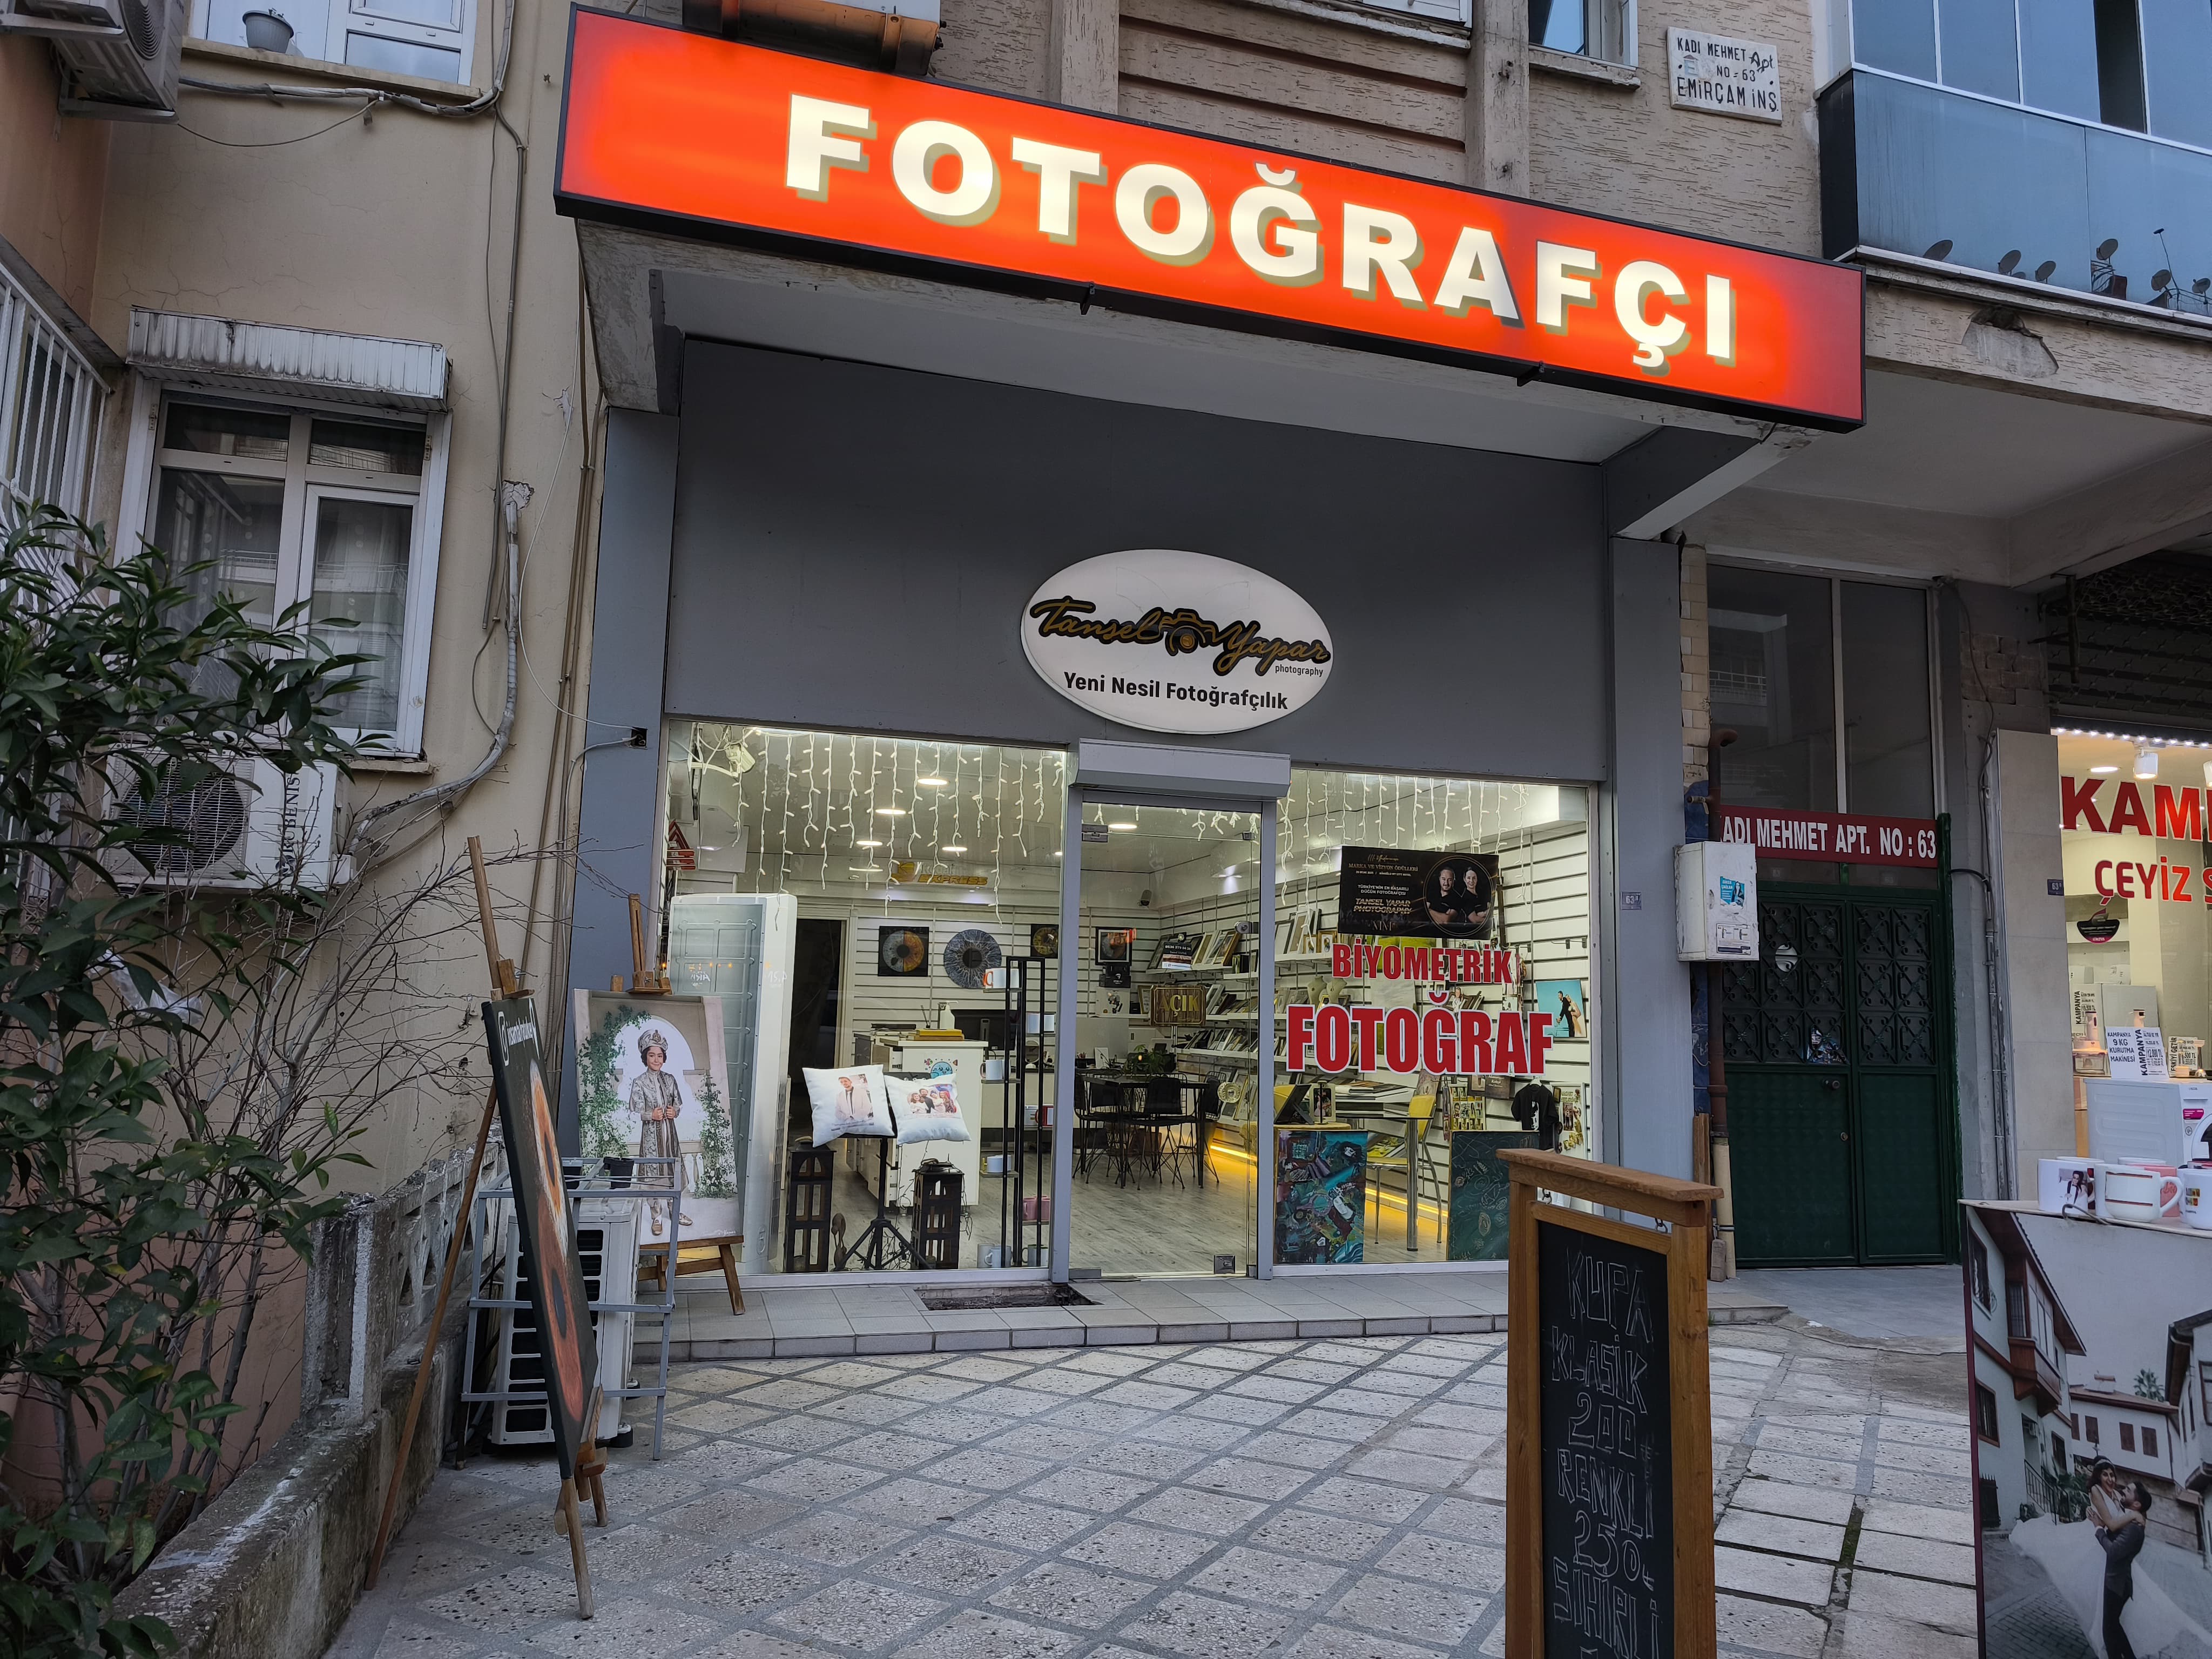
[{"x": 1153, "y": 1226}]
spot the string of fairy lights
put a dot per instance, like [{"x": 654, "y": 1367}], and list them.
[{"x": 835, "y": 810}]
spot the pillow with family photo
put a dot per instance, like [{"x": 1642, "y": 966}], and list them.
[
  {"x": 849, "y": 1100},
  {"x": 928, "y": 1109}
]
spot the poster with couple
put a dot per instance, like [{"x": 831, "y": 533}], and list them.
[
  {"x": 2090, "y": 1350},
  {"x": 1385, "y": 892}
]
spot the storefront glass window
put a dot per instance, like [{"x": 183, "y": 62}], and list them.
[
  {"x": 2133, "y": 828},
  {"x": 1473, "y": 922},
  {"x": 853, "y": 901},
  {"x": 1774, "y": 681}
]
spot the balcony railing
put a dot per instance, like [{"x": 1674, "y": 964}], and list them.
[{"x": 1922, "y": 170}]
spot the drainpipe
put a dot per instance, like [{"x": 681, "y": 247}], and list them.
[{"x": 1724, "y": 1248}]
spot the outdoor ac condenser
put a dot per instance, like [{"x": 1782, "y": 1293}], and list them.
[
  {"x": 606, "y": 1239},
  {"x": 120, "y": 57},
  {"x": 249, "y": 827}
]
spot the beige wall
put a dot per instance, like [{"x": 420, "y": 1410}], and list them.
[
  {"x": 51, "y": 171},
  {"x": 1623, "y": 150},
  {"x": 402, "y": 225}
]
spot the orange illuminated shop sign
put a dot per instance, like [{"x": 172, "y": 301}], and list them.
[{"x": 686, "y": 133}]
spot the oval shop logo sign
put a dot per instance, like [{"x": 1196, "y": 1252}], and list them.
[{"x": 1168, "y": 641}]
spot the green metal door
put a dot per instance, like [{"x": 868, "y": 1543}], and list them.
[{"x": 1839, "y": 1109}]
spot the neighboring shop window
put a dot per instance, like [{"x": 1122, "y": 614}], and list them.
[
  {"x": 2132, "y": 825},
  {"x": 1827, "y": 686},
  {"x": 285, "y": 506},
  {"x": 433, "y": 39}
]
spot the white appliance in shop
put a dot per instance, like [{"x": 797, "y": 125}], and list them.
[
  {"x": 739, "y": 947},
  {"x": 120, "y": 57},
  {"x": 251, "y": 827},
  {"x": 606, "y": 1240},
  {"x": 2168, "y": 1122}
]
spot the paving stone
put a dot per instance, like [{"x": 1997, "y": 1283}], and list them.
[
  {"x": 1072, "y": 1594},
  {"x": 1365, "y": 1402},
  {"x": 1238, "y": 1408},
  {"x": 1408, "y": 1384},
  {"x": 1207, "y": 1434},
  {"x": 1953, "y": 1526},
  {"x": 1155, "y": 1552},
  {"x": 1807, "y": 1442},
  {"x": 404, "y": 1639},
  {"x": 803, "y": 1434},
  {"x": 853, "y": 1613},
  {"x": 1911, "y": 1432},
  {"x": 1822, "y": 1503},
  {"x": 1777, "y": 1578},
  {"x": 815, "y": 1479},
  {"x": 978, "y": 1633},
  {"x": 1327, "y": 1425},
  {"x": 1303, "y": 1369},
  {"x": 1871, "y": 1636},
  {"x": 1144, "y": 1459},
  {"x": 1804, "y": 1471},
  {"x": 1299, "y": 1452},
  {"x": 732, "y": 1513},
  {"x": 1310, "y": 1532},
  {"x": 1274, "y": 1580},
  {"x": 1406, "y": 1468},
  {"x": 979, "y": 1467},
  {"x": 754, "y": 1644},
  {"x": 1423, "y": 1613},
  {"x": 887, "y": 1448},
  {"x": 512, "y": 1601},
  {"x": 717, "y": 1416},
  {"x": 1469, "y": 1518},
  {"x": 739, "y": 1583},
  {"x": 1913, "y": 1601},
  {"x": 1247, "y": 1477},
  {"x": 1024, "y": 1525},
  {"x": 1151, "y": 1396},
  {"x": 952, "y": 1423},
  {"x": 1366, "y": 1499},
  {"x": 714, "y": 1459},
  {"x": 833, "y": 1536},
  {"x": 1205, "y": 1627},
  {"x": 1052, "y": 1380},
  {"x": 1104, "y": 1416},
  {"x": 1273, "y": 1386},
  {"x": 1089, "y": 1489},
  {"x": 933, "y": 1389},
  {"x": 1766, "y": 1628},
  {"x": 1447, "y": 1561},
  {"x": 1335, "y": 1642},
  {"x": 622, "y": 1629},
  {"x": 910, "y": 1502},
  {"x": 1787, "y": 1534},
  {"x": 1216, "y": 1514},
  {"x": 952, "y": 1566},
  {"x": 1928, "y": 1491},
  {"x": 1915, "y": 1558}
]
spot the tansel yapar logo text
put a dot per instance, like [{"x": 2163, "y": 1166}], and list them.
[{"x": 1181, "y": 631}]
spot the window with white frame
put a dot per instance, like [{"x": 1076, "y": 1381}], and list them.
[
  {"x": 1602, "y": 29},
  {"x": 50, "y": 403},
  {"x": 279, "y": 505},
  {"x": 432, "y": 38}
]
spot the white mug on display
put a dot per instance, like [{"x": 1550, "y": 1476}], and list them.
[
  {"x": 2132, "y": 1192},
  {"x": 2197, "y": 1196},
  {"x": 2066, "y": 1186}
]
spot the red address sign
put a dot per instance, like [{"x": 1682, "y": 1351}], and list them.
[
  {"x": 665, "y": 130},
  {"x": 1832, "y": 837}
]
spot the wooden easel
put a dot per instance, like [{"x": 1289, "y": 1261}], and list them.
[{"x": 592, "y": 1464}]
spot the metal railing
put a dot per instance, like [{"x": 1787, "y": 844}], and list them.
[{"x": 51, "y": 400}]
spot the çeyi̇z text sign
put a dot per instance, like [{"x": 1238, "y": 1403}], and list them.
[
  {"x": 1167, "y": 641},
  {"x": 1833, "y": 837},
  {"x": 687, "y": 133}
]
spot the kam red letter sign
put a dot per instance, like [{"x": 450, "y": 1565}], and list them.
[{"x": 682, "y": 132}]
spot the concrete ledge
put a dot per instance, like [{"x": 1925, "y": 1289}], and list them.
[{"x": 273, "y": 1567}]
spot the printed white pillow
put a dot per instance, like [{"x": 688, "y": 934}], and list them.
[
  {"x": 928, "y": 1109},
  {"x": 848, "y": 1100}
]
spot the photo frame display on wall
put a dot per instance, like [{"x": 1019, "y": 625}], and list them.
[
  {"x": 1044, "y": 941},
  {"x": 1113, "y": 975},
  {"x": 902, "y": 953},
  {"x": 1114, "y": 944}
]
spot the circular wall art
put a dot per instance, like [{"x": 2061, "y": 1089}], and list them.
[
  {"x": 901, "y": 950},
  {"x": 969, "y": 954}
]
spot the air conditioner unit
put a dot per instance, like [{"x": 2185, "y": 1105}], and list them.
[
  {"x": 119, "y": 58},
  {"x": 898, "y": 35},
  {"x": 606, "y": 1242},
  {"x": 251, "y": 827}
]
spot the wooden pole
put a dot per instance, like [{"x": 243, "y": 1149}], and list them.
[{"x": 504, "y": 984}]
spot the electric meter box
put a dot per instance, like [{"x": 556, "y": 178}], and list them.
[{"x": 1717, "y": 901}]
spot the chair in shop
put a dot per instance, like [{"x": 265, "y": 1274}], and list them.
[{"x": 1411, "y": 1159}]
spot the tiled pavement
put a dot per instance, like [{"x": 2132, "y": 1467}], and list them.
[{"x": 1307, "y": 1498}]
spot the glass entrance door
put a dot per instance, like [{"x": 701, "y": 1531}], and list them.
[{"x": 1169, "y": 1038}]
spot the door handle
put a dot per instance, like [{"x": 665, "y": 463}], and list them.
[{"x": 1831, "y": 1084}]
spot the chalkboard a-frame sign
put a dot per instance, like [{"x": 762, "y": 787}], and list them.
[{"x": 1610, "y": 1456}]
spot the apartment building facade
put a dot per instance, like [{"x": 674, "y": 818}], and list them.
[{"x": 778, "y": 499}]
